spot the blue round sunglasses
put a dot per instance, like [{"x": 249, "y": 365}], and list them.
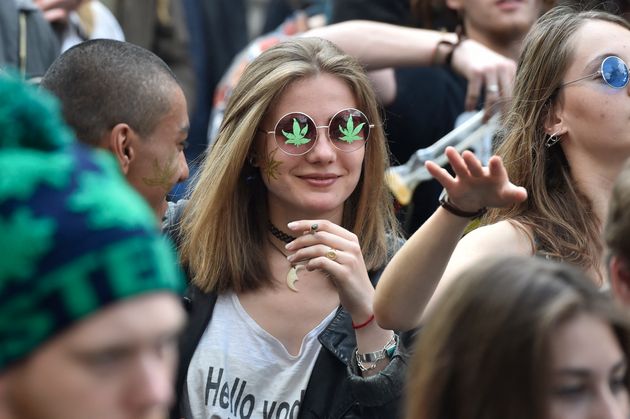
[{"x": 613, "y": 70}]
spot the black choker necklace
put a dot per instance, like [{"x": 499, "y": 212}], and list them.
[{"x": 279, "y": 234}]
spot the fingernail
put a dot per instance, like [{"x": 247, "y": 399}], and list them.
[
  {"x": 288, "y": 246},
  {"x": 292, "y": 225},
  {"x": 290, "y": 258}
]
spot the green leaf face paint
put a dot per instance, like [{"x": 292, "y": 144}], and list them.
[
  {"x": 298, "y": 135},
  {"x": 271, "y": 166},
  {"x": 350, "y": 133}
]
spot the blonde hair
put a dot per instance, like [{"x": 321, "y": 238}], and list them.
[
  {"x": 485, "y": 351},
  {"x": 225, "y": 224},
  {"x": 557, "y": 212}
]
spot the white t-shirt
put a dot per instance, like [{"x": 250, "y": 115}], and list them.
[{"x": 239, "y": 370}]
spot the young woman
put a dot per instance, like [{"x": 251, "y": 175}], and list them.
[
  {"x": 284, "y": 236},
  {"x": 565, "y": 140},
  {"x": 522, "y": 338}
]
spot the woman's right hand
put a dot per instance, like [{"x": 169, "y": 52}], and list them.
[{"x": 475, "y": 186}]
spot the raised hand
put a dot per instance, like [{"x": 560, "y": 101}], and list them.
[{"x": 475, "y": 186}]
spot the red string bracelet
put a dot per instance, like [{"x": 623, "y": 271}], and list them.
[{"x": 365, "y": 323}]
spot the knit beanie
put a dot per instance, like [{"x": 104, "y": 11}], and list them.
[{"x": 74, "y": 237}]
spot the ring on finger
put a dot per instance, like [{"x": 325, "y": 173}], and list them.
[
  {"x": 492, "y": 88},
  {"x": 314, "y": 228},
  {"x": 331, "y": 254}
]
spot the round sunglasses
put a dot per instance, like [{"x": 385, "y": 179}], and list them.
[
  {"x": 296, "y": 132},
  {"x": 613, "y": 70}
]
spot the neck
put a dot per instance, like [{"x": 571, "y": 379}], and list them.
[
  {"x": 596, "y": 182},
  {"x": 278, "y": 245},
  {"x": 508, "y": 46}
]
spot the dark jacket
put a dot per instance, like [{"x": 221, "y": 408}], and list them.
[
  {"x": 23, "y": 25},
  {"x": 335, "y": 388}
]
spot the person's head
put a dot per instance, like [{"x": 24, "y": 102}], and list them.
[
  {"x": 89, "y": 312},
  {"x": 246, "y": 174},
  {"x": 617, "y": 236},
  {"x": 563, "y": 45},
  {"x": 522, "y": 337},
  {"x": 122, "y": 97}
]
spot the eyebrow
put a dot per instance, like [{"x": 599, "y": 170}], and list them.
[
  {"x": 117, "y": 350},
  {"x": 595, "y": 64},
  {"x": 584, "y": 372}
]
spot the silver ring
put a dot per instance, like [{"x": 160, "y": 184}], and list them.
[
  {"x": 331, "y": 254},
  {"x": 492, "y": 88}
]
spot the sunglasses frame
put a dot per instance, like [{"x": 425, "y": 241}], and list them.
[
  {"x": 317, "y": 127},
  {"x": 600, "y": 73}
]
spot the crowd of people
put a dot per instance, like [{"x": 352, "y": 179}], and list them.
[{"x": 284, "y": 284}]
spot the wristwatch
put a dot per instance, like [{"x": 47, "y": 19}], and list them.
[{"x": 373, "y": 358}]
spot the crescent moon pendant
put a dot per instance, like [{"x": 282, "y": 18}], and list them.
[{"x": 292, "y": 277}]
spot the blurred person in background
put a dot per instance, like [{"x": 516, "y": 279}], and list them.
[
  {"x": 76, "y": 21},
  {"x": 27, "y": 42}
]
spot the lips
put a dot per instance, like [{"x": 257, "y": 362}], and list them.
[
  {"x": 509, "y": 4},
  {"x": 320, "y": 180}
]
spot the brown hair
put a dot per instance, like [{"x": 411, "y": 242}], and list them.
[
  {"x": 225, "y": 223},
  {"x": 617, "y": 228},
  {"x": 556, "y": 211},
  {"x": 485, "y": 351}
]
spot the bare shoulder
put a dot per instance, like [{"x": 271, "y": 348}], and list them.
[
  {"x": 505, "y": 238},
  {"x": 502, "y": 238}
]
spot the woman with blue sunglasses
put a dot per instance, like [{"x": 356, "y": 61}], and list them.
[{"x": 564, "y": 141}]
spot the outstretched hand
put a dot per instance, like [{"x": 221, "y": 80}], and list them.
[
  {"x": 486, "y": 71},
  {"x": 475, "y": 186}
]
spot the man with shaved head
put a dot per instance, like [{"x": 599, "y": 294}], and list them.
[{"x": 121, "y": 97}]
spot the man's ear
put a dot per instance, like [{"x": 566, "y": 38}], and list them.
[
  {"x": 620, "y": 279},
  {"x": 120, "y": 143}
]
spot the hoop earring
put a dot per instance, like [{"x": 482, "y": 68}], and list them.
[{"x": 552, "y": 139}]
